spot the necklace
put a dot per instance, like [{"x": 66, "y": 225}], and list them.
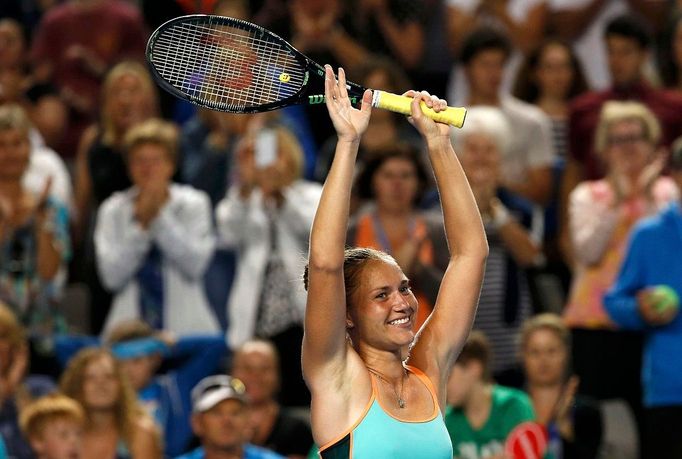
[{"x": 399, "y": 396}]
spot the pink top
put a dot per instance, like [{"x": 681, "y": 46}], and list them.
[{"x": 599, "y": 233}]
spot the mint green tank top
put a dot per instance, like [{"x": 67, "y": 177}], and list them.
[{"x": 378, "y": 435}]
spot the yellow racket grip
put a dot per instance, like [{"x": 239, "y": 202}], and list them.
[{"x": 401, "y": 104}]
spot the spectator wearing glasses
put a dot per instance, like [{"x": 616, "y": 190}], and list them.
[
  {"x": 601, "y": 214},
  {"x": 651, "y": 261},
  {"x": 221, "y": 421}
]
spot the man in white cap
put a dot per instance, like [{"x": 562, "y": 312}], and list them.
[{"x": 220, "y": 419}]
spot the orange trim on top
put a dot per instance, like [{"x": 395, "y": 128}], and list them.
[
  {"x": 427, "y": 382},
  {"x": 352, "y": 428}
]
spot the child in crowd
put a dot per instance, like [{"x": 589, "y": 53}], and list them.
[
  {"x": 53, "y": 425},
  {"x": 480, "y": 415}
]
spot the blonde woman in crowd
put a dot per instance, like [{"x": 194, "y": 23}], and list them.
[
  {"x": 128, "y": 96},
  {"x": 116, "y": 425},
  {"x": 601, "y": 214}
]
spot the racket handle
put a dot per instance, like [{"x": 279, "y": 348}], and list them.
[{"x": 402, "y": 104}]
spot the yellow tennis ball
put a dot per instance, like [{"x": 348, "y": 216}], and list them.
[{"x": 665, "y": 298}]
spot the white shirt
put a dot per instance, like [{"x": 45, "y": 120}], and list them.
[{"x": 183, "y": 233}]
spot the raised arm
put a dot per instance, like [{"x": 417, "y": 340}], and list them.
[
  {"x": 442, "y": 336},
  {"x": 324, "y": 342}
]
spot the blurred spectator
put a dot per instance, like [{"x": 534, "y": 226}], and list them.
[
  {"x": 480, "y": 415},
  {"x": 47, "y": 111},
  {"x": 504, "y": 302},
  {"x": 128, "y": 97},
  {"x": 166, "y": 396},
  {"x": 669, "y": 52},
  {"x": 116, "y": 425},
  {"x": 393, "y": 182},
  {"x": 523, "y": 21},
  {"x": 266, "y": 216},
  {"x": 601, "y": 214},
  {"x": 54, "y": 425},
  {"x": 141, "y": 351},
  {"x": 573, "y": 422},
  {"x": 207, "y": 144},
  {"x": 651, "y": 261},
  {"x": 154, "y": 240},
  {"x": 528, "y": 159},
  {"x": 34, "y": 240},
  {"x": 627, "y": 40},
  {"x": 385, "y": 128},
  {"x": 582, "y": 22},
  {"x": 256, "y": 364},
  {"x": 550, "y": 77},
  {"x": 16, "y": 388},
  {"x": 75, "y": 58},
  {"x": 221, "y": 421}
]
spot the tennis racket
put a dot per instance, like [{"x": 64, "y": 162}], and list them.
[{"x": 235, "y": 66}]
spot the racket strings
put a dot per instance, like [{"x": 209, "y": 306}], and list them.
[{"x": 225, "y": 69}]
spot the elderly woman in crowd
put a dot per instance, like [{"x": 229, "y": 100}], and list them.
[
  {"x": 266, "y": 216},
  {"x": 154, "y": 240},
  {"x": 505, "y": 301},
  {"x": 601, "y": 214}
]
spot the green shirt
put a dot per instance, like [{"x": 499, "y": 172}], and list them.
[{"x": 510, "y": 407}]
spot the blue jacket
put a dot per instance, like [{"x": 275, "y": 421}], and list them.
[
  {"x": 654, "y": 257},
  {"x": 167, "y": 397}
]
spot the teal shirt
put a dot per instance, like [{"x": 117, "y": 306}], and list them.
[
  {"x": 378, "y": 435},
  {"x": 510, "y": 407}
]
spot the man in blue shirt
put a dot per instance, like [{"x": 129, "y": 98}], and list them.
[
  {"x": 220, "y": 418},
  {"x": 652, "y": 260}
]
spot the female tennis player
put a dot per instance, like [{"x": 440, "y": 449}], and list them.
[{"x": 378, "y": 387}]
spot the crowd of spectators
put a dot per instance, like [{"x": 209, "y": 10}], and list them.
[{"x": 151, "y": 301}]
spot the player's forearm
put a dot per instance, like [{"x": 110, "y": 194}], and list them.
[{"x": 328, "y": 234}]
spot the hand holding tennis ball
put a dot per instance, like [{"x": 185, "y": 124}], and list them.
[{"x": 658, "y": 305}]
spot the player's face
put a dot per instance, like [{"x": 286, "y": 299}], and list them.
[
  {"x": 385, "y": 307},
  {"x": 60, "y": 439},
  {"x": 545, "y": 358},
  {"x": 395, "y": 184}
]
